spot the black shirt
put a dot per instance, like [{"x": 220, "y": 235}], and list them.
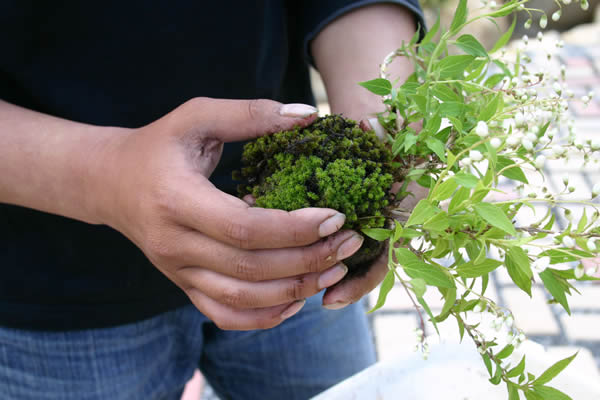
[{"x": 127, "y": 63}]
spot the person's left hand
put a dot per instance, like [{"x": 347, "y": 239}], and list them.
[{"x": 350, "y": 291}]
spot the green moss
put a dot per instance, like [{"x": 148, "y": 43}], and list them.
[{"x": 332, "y": 163}]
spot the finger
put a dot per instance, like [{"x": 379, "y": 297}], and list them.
[
  {"x": 249, "y": 199},
  {"x": 236, "y": 120},
  {"x": 374, "y": 125},
  {"x": 263, "y": 265},
  {"x": 228, "y": 318},
  {"x": 230, "y": 220},
  {"x": 347, "y": 292},
  {"x": 240, "y": 294}
]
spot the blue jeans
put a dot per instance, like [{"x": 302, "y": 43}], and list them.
[{"x": 154, "y": 358}]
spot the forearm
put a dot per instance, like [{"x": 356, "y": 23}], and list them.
[
  {"x": 351, "y": 48},
  {"x": 51, "y": 164}
]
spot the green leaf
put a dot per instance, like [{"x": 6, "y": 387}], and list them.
[
  {"x": 466, "y": 180},
  {"x": 505, "y": 37},
  {"x": 515, "y": 173},
  {"x": 497, "y": 376},
  {"x": 550, "y": 393},
  {"x": 553, "y": 370},
  {"x": 513, "y": 391},
  {"x": 452, "y": 109},
  {"x": 470, "y": 45},
  {"x": 461, "y": 195},
  {"x": 420, "y": 101},
  {"x": 449, "y": 300},
  {"x": 432, "y": 32},
  {"x": 422, "y": 212},
  {"x": 471, "y": 270},
  {"x": 555, "y": 288},
  {"x": 460, "y": 17},
  {"x": 416, "y": 268},
  {"x": 490, "y": 108},
  {"x": 419, "y": 287},
  {"x": 409, "y": 141},
  {"x": 488, "y": 363},
  {"x": 386, "y": 286},
  {"x": 529, "y": 395},
  {"x": 505, "y": 352},
  {"x": 518, "y": 370},
  {"x": 437, "y": 147},
  {"x": 379, "y": 86},
  {"x": 445, "y": 190},
  {"x": 519, "y": 268},
  {"x": 437, "y": 223},
  {"x": 444, "y": 93},
  {"x": 428, "y": 311},
  {"x": 582, "y": 222},
  {"x": 494, "y": 216},
  {"x": 378, "y": 234},
  {"x": 565, "y": 254},
  {"x": 454, "y": 66}
]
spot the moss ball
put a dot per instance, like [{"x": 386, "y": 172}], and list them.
[{"x": 331, "y": 164}]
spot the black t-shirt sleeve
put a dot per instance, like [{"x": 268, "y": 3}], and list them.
[{"x": 313, "y": 15}]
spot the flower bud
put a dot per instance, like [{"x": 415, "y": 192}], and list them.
[
  {"x": 579, "y": 271},
  {"x": 556, "y": 15},
  {"x": 591, "y": 244},
  {"x": 527, "y": 144},
  {"x": 475, "y": 155},
  {"x": 528, "y": 23},
  {"x": 568, "y": 241},
  {"x": 466, "y": 161},
  {"x": 540, "y": 161},
  {"x": 482, "y": 129},
  {"x": 558, "y": 150},
  {"x": 596, "y": 190},
  {"x": 495, "y": 143},
  {"x": 544, "y": 18},
  {"x": 541, "y": 264}
]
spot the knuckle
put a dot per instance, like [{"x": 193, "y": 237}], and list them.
[
  {"x": 233, "y": 297},
  {"x": 159, "y": 248},
  {"x": 256, "y": 108},
  {"x": 311, "y": 260},
  {"x": 247, "y": 268},
  {"x": 297, "y": 289},
  {"x": 238, "y": 234}
]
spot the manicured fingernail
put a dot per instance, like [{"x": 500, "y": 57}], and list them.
[
  {"x": 332, "y": 224},
  {"x": 335, "y": 306},
  {"x": 349, "y": 247},
  {"x": 379, "y": 131},
  {"x": 293, "y": 308},
  {"x": 297, "y": 110},
  {"x": 332, "y": 276}
]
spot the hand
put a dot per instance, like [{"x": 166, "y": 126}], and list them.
[
  {"x": 351, "y": 291},
  {"x": 243, "y": 267}
]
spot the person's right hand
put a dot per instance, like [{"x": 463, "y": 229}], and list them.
[{"x": 243, "y": 267}]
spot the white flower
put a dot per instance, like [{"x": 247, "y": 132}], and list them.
[
  {"x": 596, "y": 190},
  {"x": 591, "y": 244},
  {"x": 539, "y": 161},
  {"x": 568, "y": 241},
  {"x": 532, "y": 137},
  {"x": 482, "y": 129},
  {"x": 520, "y": 119},
  {"x": 475, "y": 155},
  {"x": 558, "y": 150},
  {"x": 527, "y": 144},
  {"x": 556, "y": 15},
  {"x": 525, "y": 39},
  {"x": 595, "y": 145},
  {"x": 579, "y": 271},
  {"x": 540, "y": 36},
  {"x": 466, "y": 161},
  {"x": 557, "y": 88},
  {"x": 495, "y": 142},
  {"x": 541, "y": 264}
]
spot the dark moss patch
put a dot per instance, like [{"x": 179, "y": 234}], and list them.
[{"x": 333, "y": 164}]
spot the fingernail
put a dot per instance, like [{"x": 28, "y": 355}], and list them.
[
  {"x": 332, "y": 276},
  {"x": 349, "y": 247},
  {"x": 297, "y": 110},
  {"x": 379, "y": 131},
  {"x": 335, "y": 306},
  {"x": 332, "y": 224},
  {"x": 293, "y": 308}
]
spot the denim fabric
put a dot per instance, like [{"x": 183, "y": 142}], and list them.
[{"x": 153, "y": 359}]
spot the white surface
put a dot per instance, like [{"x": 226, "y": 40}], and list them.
[{"x": 452, "y": 372}]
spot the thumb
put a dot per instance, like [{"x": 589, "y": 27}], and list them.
[{"x": 235, "y": 120}]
